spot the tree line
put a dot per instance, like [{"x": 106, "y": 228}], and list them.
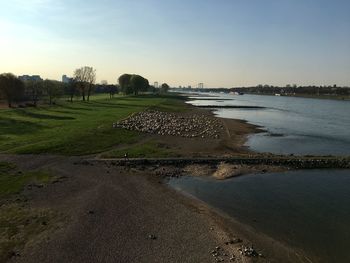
[
  {"x": 330, "y": 90},
  {"x": 81, "y": 86}
]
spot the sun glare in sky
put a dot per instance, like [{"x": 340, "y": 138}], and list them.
[{"x": 220, "y": 43}]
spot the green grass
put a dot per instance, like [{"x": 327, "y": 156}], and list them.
[
  {"x": 77, "y": 128},
  {"x": 6, "y": 167},
  {"x": 13, "y": 181}
]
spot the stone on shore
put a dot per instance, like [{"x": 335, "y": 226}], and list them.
[{"x": 165, "y": 123}]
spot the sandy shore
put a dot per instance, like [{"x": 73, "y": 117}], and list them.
[{"x": 116, "y": 214}]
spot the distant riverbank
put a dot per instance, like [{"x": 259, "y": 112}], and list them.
[{"x": 310, "y": 96}]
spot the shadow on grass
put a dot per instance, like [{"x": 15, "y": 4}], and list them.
[
  {"x": 42, "y": 116},
  {"x": 12, "y": 126},
  {"x": 114, "y": 105},
  {"x": 62, "y": 111},
  {"x": 75, "y": 108}
]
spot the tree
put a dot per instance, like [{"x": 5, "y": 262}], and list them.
[
  {"x": 53, "y": 88},
  {"x": 138, "y": 84},
  {"x": 133, "y": 84},
  {"x": 112, "y": 89},
  {"x": 85, "y": 78},
  {"x": 164, "y": 88},
  {"x": 34, "y": 89},
  {"x": 71, "y": 89},
  {"x": 11, "y": 88},
  {"x": 124, "y": 83}
]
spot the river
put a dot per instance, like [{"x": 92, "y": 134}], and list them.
[
  {"x": 294, "y": 125},
  {"x": 307, "y": 210},
  {"x": 304, "y": 209}
]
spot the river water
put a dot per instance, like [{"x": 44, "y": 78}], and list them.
[
  {"x": 305, "y": 209},
  {"x": 308, "y": 210},
  {"x": 293, "y": 125}
]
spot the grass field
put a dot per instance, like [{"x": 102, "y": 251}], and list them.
[{"x": 77, "y": 128}]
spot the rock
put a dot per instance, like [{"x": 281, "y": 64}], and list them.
[
  {"x": 14, "y": 254},
  {"x": 171, "y": 124},
  {"x": 152, "y": 237},
  {"x": 248, "y": 251}
]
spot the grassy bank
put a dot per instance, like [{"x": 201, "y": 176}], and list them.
[
  {"x": 19, "y": 223},
  {"x": 13, "y": 181},
  {"x": 76, "y": 128}
]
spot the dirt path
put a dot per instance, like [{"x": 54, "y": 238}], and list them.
[
  {"x": 118, "y": 215},
  {"x": 111, "y": 214}
]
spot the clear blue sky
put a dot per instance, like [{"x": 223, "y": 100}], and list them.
[{"x": 222, "y": 43}]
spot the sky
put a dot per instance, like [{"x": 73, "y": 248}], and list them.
[{"x": 221, "y": 43}]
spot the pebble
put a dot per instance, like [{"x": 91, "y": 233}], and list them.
[
  {"x": 15, "y": 254},
  {"x": 165, "y": 123},
  {"x": 249, "y": 251},
  {"x": 152, "y": 237}
]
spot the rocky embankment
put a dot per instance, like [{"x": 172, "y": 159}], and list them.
[
  {"x": 165, "y": 123},
  {"x": 291, "y": 162}
]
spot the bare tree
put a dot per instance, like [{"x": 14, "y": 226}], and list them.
[
  {"x": 53, "y": 89},
  {"x": 34, "y": 88},
  {"x": 85, "y": 78}
]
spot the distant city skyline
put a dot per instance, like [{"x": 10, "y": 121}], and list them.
[{"x": 219, "y": 43}]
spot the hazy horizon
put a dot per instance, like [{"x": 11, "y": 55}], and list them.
[{"x": 219, "y": 43}]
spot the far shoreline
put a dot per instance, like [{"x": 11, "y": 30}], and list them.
[{"x": 305, "y": 96}]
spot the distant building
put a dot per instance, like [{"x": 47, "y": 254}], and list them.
[
  {"x": 30, "y": 78},
  {"x": 66, "y": 79}
]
